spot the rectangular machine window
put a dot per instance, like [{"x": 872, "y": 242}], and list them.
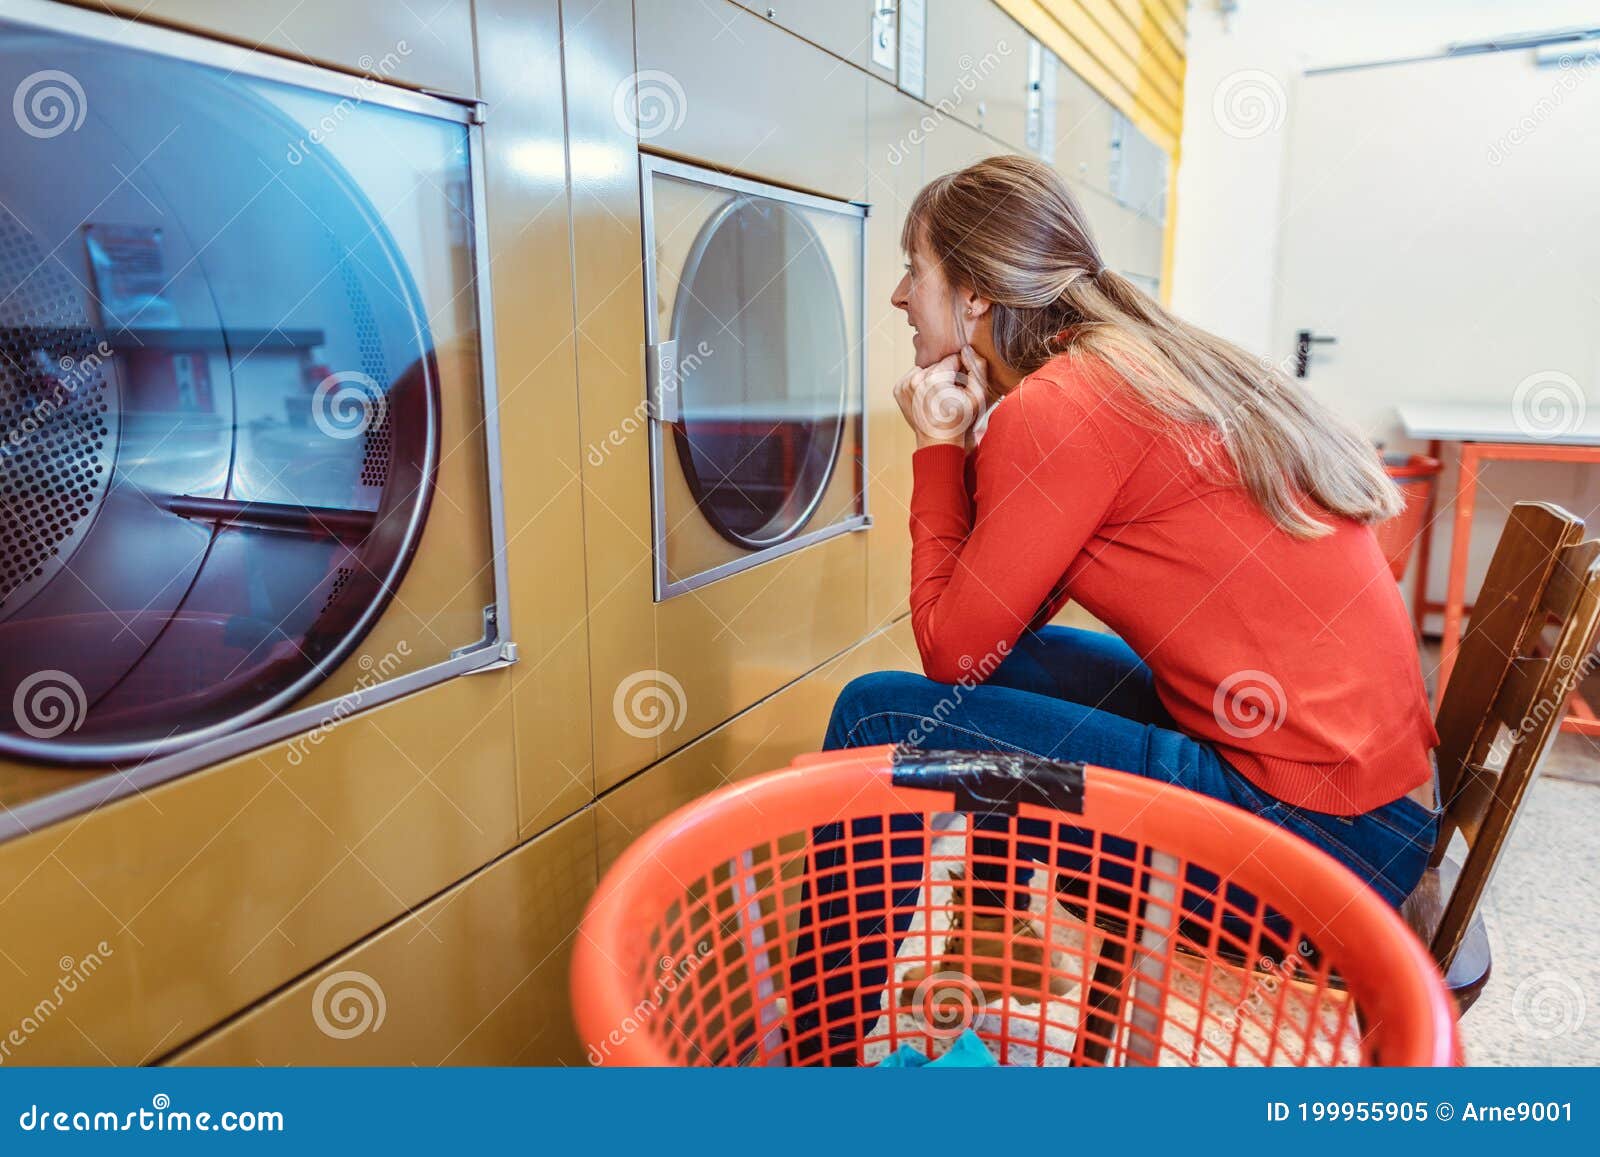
[{"x": 754, "y": 316}]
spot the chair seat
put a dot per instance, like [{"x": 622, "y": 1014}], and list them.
[{"x": 1423, "y": 909}]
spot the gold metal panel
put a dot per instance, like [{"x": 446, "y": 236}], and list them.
[
  {"x": 1083, "y": 132},
  {"x": 204, "y": 894},
  {"x": 753, "y": 98},
  {"x": 478, "y": 976},
  {"x": 750, "y": 97},
  {"x": 764, "y": 738},
  {"x": 609, "y": 288},
  {"x": 1129, "y": 242},
  {"x": 896, "y": 127},
  {"x": 955, "y": 146},
  {"x": 422, "y": 46},
  {"x": 1147, "y": 237},
  {"x": 740, "y": 639},
  {"x": 977, "y": 68},
  {"x": 519, "y": 58},
  {"x": 843, "y": 27}
]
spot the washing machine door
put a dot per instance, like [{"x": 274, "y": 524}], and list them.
[
  {"x": 219, "y": 389},
  {"x": 756, "y": 359}
]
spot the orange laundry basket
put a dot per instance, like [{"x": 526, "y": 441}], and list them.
[
  {"x": 751, "y": 928},
  {"x": 1416, "y": 475}
]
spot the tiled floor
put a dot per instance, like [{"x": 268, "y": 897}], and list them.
[{"x": 1542, "y": 1002}]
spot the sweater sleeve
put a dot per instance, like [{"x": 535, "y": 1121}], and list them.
[{"x": 982, "y": 569}]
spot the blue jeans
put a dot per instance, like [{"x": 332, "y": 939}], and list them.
[{"x": 1061, "y": 694}]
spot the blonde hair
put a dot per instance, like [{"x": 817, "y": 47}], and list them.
[{"x": 1009, "y": 230}]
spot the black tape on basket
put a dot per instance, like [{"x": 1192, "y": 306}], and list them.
[{"x": 992, "y": 782}]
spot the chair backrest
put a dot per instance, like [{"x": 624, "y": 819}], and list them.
[{"x": 1505, "y": 699}]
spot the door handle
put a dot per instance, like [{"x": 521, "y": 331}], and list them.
[
  {"x": 662, "y": 381},
  {"x": 1303, "y": 342}
]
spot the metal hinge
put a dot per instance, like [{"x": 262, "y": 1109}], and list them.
[{"x": 491, "y": 634}]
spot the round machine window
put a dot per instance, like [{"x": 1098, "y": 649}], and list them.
[
  {"x": 220, "y": 413},
  {"x": 763, "y": 370}
]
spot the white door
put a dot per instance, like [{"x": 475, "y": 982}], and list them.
[{"x": 1440, "y": 223}]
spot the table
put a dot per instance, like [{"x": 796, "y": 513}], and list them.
[{"x": 1566, "y": 432}]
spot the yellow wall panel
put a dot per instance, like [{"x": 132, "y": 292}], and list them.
[
  {"x": 742, "y": 94},
  {"x": 204, "y": 894},
  {"x": 1134, "y": 65},
  {"x": 478, "y": 976},
  {"x": 1136, "y": 34},
  {"x": 531, "y": 273},
  {"x": 894, "y": 173},
  {"x": 765, "y": 738}
]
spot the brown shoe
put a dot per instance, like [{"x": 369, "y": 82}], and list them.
[{"x": 989, "y": 931}]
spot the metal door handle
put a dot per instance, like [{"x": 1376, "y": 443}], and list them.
[
  {"x": 1303, "y": 342},
  {"x": 661, "y": 368}
]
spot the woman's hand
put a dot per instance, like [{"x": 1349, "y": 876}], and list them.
[{"x": 940, "y": 402}]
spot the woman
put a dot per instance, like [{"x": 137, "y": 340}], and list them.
[{"x": 1195, "y": 500}]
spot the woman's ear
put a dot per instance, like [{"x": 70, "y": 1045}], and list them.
[{"x": 973, "y": 307}]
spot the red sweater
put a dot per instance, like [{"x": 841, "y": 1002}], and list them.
[{"x": 1294, "y": 657}]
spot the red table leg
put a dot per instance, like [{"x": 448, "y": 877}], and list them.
[
  {"x": 1419, "y": 589},
  {"x": 1460, "y": 539}
]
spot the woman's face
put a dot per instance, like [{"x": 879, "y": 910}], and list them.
[{"x": 931, "y": 306}]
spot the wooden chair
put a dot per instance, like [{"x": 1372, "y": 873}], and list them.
[{"x": 1501, "y": 711}]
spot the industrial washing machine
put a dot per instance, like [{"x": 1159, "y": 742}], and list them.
[
  {"x": 720, "y": 269},
  {"x": 248, "y": 452},
  {"x": 755, "y": 370}
]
